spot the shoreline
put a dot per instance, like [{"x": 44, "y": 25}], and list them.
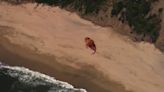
[{"x": 16, "y": 55}]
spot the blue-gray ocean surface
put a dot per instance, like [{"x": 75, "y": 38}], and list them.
[{"x": 20, "y": 79}]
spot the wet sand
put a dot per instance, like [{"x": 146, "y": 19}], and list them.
[{"x": 88, "y": 78}]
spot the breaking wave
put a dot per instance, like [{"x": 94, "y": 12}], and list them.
[{"x": 20, "y": 79}]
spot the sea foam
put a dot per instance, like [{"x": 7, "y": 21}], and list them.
[{"x": 28, "y": 76}]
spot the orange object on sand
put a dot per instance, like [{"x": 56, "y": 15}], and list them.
[{"x": 90, "y": 43}]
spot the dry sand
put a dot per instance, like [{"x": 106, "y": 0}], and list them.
[{"x": 51, "y": 40}]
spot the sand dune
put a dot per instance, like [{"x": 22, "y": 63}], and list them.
[{"x": 46, "y": 30}]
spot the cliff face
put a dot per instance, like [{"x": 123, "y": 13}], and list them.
[{"x": 160, "y": 41}]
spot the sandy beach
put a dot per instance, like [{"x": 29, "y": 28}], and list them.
[
  {"x": 47, "y": 64},
  {"x": 51, "y": 41}
]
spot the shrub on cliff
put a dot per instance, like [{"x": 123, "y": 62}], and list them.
[
  {"x": 84, "y": 6},
  {"x": 136, "y": 13}
]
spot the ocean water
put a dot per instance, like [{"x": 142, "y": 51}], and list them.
[{"x": 20, "y": 79}]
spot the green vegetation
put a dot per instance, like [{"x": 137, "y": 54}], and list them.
[
  {"x": 136, "y": 13},
  {"x": 84, "y": 6}
]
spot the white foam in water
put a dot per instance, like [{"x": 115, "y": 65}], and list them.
[
  {"x": 0, "y": 64},
  {"x": 37, "y": 74}
]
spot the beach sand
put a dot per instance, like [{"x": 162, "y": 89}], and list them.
[
  {"x": 87, "y": 77},
  {"x": 51, "y": 41}
]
